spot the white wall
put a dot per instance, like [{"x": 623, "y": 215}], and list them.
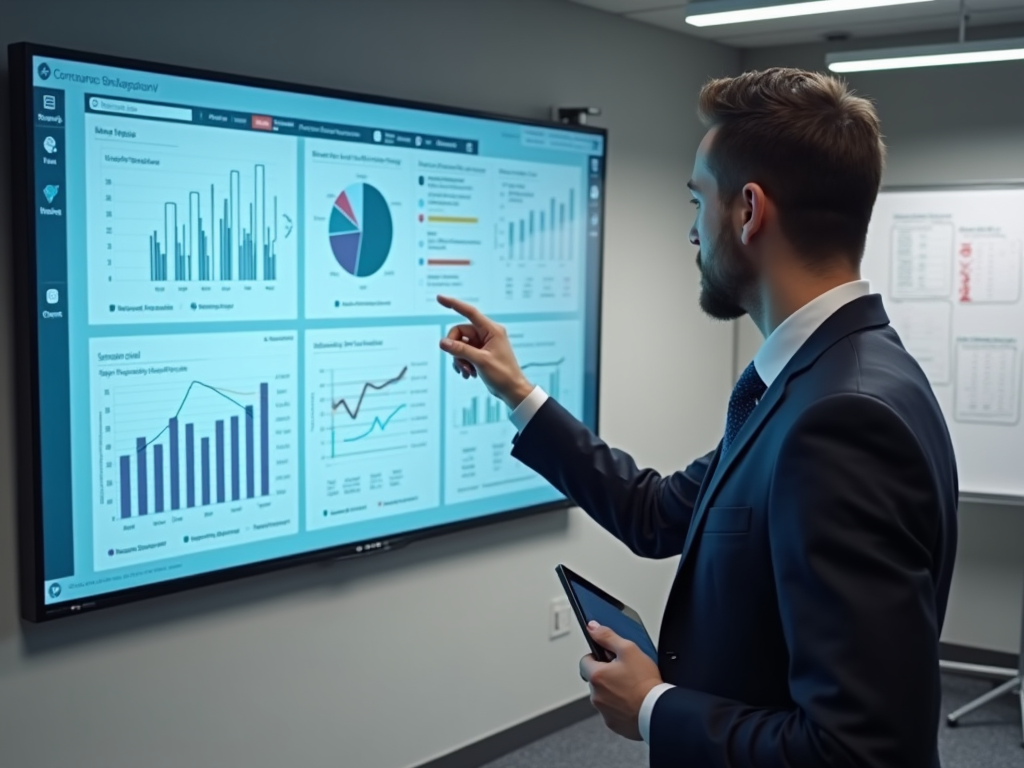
[
  {"x": 390, "y": 661},
  {"x": 947, "y": 125}
]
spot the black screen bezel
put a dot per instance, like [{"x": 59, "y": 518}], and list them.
[{"x": 26, "y": 372}]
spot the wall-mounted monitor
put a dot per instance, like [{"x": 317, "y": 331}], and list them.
[{"x": 228, "y": 353}]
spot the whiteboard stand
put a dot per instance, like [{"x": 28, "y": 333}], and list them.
[{"x": 1014, "y": 685}]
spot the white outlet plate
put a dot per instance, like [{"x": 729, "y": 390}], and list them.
[{"x": 560, "y": 618}]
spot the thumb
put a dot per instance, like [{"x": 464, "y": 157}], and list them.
[
  {"x": 606, "y": 638},
  {"x": 462, "y": 349}
]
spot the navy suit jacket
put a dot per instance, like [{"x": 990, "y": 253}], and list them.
[{"x": 802, "y": 628}]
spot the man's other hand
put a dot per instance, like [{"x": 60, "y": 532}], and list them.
[
  {"x": 481, "y": 348},
  {"x": 618, "y": 687}
]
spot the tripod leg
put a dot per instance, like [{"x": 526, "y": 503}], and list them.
[{"x": 981, "y": 701}]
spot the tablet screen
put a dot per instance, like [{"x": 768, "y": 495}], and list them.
[{"x": 596, "y": 608}]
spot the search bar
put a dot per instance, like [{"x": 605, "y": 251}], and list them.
[
  {"x": 139, "y": 109},
  {"x": 562, "y": 140}
]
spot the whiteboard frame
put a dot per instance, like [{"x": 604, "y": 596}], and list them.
[{"x": 972, "y": 496}]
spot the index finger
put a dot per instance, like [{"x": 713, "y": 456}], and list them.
[{"x": 468, "y": 311}]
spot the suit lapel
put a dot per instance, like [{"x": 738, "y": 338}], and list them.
[{"x": 860, "y": 314}]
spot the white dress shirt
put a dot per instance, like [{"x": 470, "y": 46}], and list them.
[{"x": 776, "y": 351}]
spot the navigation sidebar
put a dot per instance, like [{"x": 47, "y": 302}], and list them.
[{"x": 54, "y": 361}]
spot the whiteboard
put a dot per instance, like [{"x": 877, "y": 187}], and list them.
[{"x": 948, "y": 264}]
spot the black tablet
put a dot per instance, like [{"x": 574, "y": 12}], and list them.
[{"x": 591, "y": 603}]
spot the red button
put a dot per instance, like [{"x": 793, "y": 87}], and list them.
[{"x": 262, "y": 123}]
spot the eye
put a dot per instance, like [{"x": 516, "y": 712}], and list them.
[{"x": 695, "y": 203}]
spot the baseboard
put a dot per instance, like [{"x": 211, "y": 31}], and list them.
[
  {"x": 982, "y": 656},
  {"x": 500, "y": 744}
]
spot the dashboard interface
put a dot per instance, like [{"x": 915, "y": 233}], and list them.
[{"x": 237, "y": 326}]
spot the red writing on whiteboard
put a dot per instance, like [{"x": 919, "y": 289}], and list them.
[{"x": 964, "y": 272}]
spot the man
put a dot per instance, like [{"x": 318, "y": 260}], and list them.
[{"x": 817, "y": 541}]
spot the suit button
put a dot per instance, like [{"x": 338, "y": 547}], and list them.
[{"x": 671, "y": 655}]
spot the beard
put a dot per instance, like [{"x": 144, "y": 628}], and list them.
[{"x": 724, "y": 277}]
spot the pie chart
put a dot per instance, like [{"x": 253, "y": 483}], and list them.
[{"x": 361, "y": 229}]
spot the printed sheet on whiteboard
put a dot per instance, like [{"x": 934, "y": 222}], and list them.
[{"x": 949, "y": 264}]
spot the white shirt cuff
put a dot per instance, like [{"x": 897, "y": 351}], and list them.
[
  {"x": 647, "y": 709},
  {"x": 527, "y": 409}
]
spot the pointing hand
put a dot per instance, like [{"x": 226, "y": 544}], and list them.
[{"x": 481, "y": 348}]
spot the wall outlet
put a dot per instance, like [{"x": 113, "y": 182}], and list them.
[{"x": 560, "y": 619}]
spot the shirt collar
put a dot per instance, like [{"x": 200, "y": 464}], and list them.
[{"x": 784, "y": 342}]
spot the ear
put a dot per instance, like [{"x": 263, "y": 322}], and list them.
[{"x": 753, "y": 211}]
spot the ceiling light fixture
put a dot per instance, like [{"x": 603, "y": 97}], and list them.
[
  {"x": 929, "y": 55},
  {"x": 926, "y": 56},
  {"x": 711, "y": 13}
]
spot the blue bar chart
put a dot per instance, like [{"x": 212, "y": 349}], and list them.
[
  {"x": 189, "y": 223},
  {"x": 478, "y": 432},
  {"x": 539, "y": 238},
  {"x": 543, "y": 232},
  {"x": 470, "y": 415},
  {"x": 195, "y": 434},
  {"x": 232, "y": 240},
  {"x": 144, "y": 447}
]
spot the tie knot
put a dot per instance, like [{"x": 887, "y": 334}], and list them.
[{"x": 748, "y": 390}]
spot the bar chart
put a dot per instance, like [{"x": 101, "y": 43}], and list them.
[
  {"x": 543, "y": 232},
  {"x": 470, "y": 415},
  {"x": 194, "y": 434},
  {"x": 189, "y": 223},
  {"x": 228, "y": 460},
  {"x": 539, "y": 237},
  {"x": 478, "y": 461},
  {"x": 373, "y": 431},
  {"x": 228, "y": 239}
]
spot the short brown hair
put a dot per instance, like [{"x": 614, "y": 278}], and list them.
[{"x": 814, "y": 147}]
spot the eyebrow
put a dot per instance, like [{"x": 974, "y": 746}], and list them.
[{"x": 692, "y": 186}]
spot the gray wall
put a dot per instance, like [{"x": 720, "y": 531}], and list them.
[
  {"x": 946, "y": 125},
  {"x": 391, "y": 661}
]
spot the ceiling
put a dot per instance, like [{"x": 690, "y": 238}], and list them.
[{"x": 917, "y": 17}]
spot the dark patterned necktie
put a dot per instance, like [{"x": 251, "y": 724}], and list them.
[{"x": 745, "y": 395}]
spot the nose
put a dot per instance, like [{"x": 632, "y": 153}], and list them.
[{"x": 694, "y": 237}]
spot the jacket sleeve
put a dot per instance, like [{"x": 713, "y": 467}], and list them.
[
  {"x": 853, "y": 525},
  {"x": 646, "y": 511}
]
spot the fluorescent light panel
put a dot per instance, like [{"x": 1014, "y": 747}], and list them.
[
  {"x": 926, "y": 56},
  {"x": 710, "y": 14}
]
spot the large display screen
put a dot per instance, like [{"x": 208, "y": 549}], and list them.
[{"x": 229, "y": 356}]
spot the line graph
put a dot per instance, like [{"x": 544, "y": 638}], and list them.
[
  {"x": 372, "y": 431},
  {"x": 225, "y": 393},
  {"x": 551, "y": 364},
  {"x": 367, "y": 386},
  {"x": 377, "y": 424},
  {"x": 383, "y": 396},
  {"x": 553, "y": 384}
]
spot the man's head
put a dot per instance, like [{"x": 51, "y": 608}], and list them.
[{"x": 789, "y": 170}]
